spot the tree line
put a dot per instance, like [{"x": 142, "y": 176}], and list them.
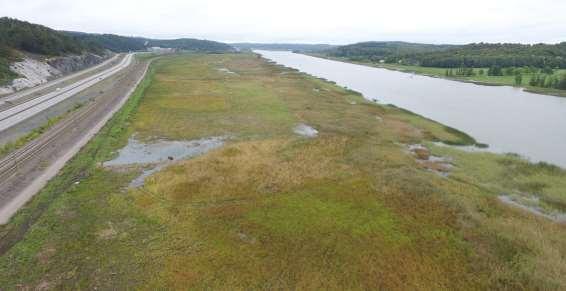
[
  {"x": 38, "y": 39},
  {"x": 118, "y": 43},
  {"x": 545, "y": 77},
  {"x": 502, "y": 55},
  {"x": 21, "y": 36},
  {"x": 476, "y": 55}
]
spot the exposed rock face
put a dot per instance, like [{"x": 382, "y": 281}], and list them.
[
  {"x": 33, "y": 72},
  {"x": 71, "y": 64}
]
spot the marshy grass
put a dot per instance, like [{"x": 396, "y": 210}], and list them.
[{"x": 348, "y": 209}]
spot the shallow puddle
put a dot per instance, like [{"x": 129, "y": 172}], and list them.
[
  {"x": 305, "y": 130},
  {"x": 470, "y": 148},
  {"x": 533, "y": 205},
  {"x": 157, "y": 155},
  {"x": 227, "y": 71}
]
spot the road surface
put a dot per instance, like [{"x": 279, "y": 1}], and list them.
[{"x": 21, "y": 112}]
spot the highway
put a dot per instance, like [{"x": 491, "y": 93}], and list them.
[
  {"x": 23, "y": 111},
  {"x": 23, "y": 93}
]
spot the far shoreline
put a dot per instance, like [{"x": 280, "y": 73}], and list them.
[{"x": 400, "y": 68}]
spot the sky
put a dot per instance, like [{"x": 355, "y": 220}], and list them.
[{"x": 305, "y": 21}]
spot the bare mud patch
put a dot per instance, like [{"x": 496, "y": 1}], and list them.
[
  {"x": 153, "y": 157},
  {"x": 438, "y": 165}
]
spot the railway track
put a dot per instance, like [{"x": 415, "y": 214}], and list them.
[{"x": 9, "y": 165}]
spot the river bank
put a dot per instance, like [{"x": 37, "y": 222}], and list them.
[
  {"x": 504, "y": 110},
  {"x": 483, "y": 80}
]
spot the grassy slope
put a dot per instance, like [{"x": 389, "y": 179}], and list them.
[
  {"x": 349, "y": 209},
  {"x": 6, "y": 75},
  {"x": 480, "y": 79}
]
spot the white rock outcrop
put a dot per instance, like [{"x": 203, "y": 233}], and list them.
[{"x": 32, "y": 73}]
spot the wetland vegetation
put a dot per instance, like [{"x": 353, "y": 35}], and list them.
[{"x": 348, "y": 208}]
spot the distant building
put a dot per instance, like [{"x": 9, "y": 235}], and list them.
[{"x": 160, "y": 50}]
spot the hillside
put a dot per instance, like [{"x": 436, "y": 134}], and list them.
[
  {"x": 119, "y": 43},
  {"x": 38, "y": 39},
  {"x": 246, "y": 46},
  {"x": 6, "y": 56},
  {"x": 384, "y": 50},
  {"x": 192, "y": 44},
  {"x": 500, "y": 54},
  {"x": 19, "y": 36},
  {"x": 476, "y": 55},
  {"x": 115, "y": 43}
]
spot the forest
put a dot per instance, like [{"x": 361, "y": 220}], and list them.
[
  {"x": 38, "y": 39},
  {"x": 386, "y": 51},
  {"x": 18, "y": 37},
  {"x": 475, "y": 55},
  {"x": 487, "y": 55},
  {"x": 118, "y": 43}
]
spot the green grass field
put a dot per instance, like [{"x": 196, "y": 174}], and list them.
[{"x": 348, "y": 209}]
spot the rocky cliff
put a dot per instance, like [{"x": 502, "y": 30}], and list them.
[
  {"x": 70, "y": 64},
  {"x": 34, "y": 72}
]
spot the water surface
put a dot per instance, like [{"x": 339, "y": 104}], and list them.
[
  {"x": 159, "y": 154},
  {"x": 506, "y": 118}
]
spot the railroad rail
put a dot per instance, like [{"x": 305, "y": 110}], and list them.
[{"x": 9, "y": 165}]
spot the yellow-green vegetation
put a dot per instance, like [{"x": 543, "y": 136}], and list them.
[{"x": 348, "y": 209}]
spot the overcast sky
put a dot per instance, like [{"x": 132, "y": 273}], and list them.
[{"x": 307, "y": 21}]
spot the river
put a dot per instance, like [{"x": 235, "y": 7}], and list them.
[{"x": 508, "y": 119}]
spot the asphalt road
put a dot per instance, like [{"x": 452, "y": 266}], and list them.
[
  {"x": 21, "y": 112},
  {"x": 34, "y": 90}
]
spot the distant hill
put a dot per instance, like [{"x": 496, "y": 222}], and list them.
[
  {"x": 115, "y": 43},
  {"x": 192, "y": 45},
  {"x": 119, "y": 43},
  {"x": 17, "y": 37},
  {"x": 452, "y": 56},
  {"x": 384, "y": 50},
  {"x": 38, "y": 39},
  {"x": 283, "y": 47},
  {"x": 498, "y": 54}
]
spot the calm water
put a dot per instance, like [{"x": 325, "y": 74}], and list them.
[{"x": 506, "y": 118}]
